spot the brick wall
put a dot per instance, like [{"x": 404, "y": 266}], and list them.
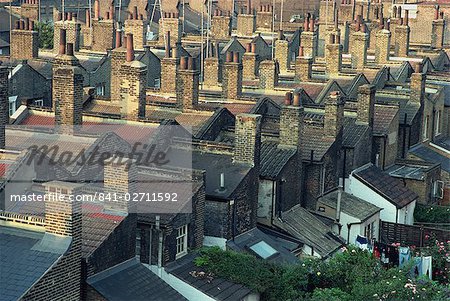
[
  {"x": 102, "y": 35},
  {"x": 86, "y": 37},
  {"x": 174, "y": 26},
  {"x": 138, "y": 28},
  {"x": 221, "y": 27},
  {"x": 291, "y": 125},
  {"x": 247, "y": 139},
  {"x": 309, "y": 43},
  {"x": 303, "y": 68},
  {"x": 24, "y": 44},
  {"x": 366, "y": 105},
  {"x": 334, "y": 116},
  {"x": 31, "y": 11},
  {"x": 169, "y": 71},
  {"x": 211, "y": 71},
  {"x": 264, "y": 21},
  {"x": 187, "y": 87},
  {"x": 359, "y": 49},
  {"x": 249, "y": 65},
  {"x": 268, "y": 74},
  {"x": 117, "y": 60},
  {"x": 382, "y": 46},
  {"x": 437, "y": 33},
  {"x": 401, "y": 41},
  {"x": 282, "y": 55},
  {"x": 133, "y": 90},
  {"x": 4, "y": 111},
  {"x": 72, "y": 34},
  {"x": 245, "y": 25},
  {"x": 232, "y": 80},
  {"x": 333, "y": 59}
]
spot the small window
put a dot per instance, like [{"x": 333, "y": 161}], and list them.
[
  {"x": 181, "y": 241},
  {"x": 138, "y": 243},
  {"x": 438, "y": 123},
  {"x": 425, "y": 128},
  {"x": 100, "y": 89},
  {"x": 157, "y": 82},
  {"x": 263, "y": 250},
  {"x": 438, "y": 189},
  {"x": 39, "y": 102},
  {"x": 12, "y": 107}
]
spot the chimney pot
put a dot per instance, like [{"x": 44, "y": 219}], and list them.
[
  {"x": 31, "y": 25},
  {"x": 62, "y": 41},
  {"x": 191, "y": 63},
  {"x": 135, "y": 12},
  {"x": 280, "y": 35},
  {"x": 248, "y": 47},
  {"x": 107, "y": 15},
  {"x": 399, "y": 12},
  {"x": 22, "y": 24},
  {"x": 111, "y": 12},
  {"x": 418, "y": 68},
  {"x": 311, "y": 25},
  {"x": 118, "y": 39},
  {"x": 69, "y": 16},
  {"x": 229, "y": 57},
  {"x": 183, "y": 63},
  {"x": 17, "y": 24},
  {"x": 130, "y": 48},
  {"x": 96, "y": 9},
  {"x": 436, "y": 12},
  {"x": 406, "y": 17},
  {"x": 301, "y": 51},
  {"x": 236, "y": 57},
  {"x": 288, "y": 98},
  {"x": 167, "y": 46},
  {"x": 253, "y": 47},
  {"x": 296, "y": 101},
  {"x": 70, "y": 49}
]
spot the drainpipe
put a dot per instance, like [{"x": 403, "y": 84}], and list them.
[
  {"x": 432, "y": 124},
  {"x": 404, "y": 138},
  {"x": 384, "y": 153},
  {"x": 272, "y": 213},
  {"x": 349, "y": 227},
  {"x": 344, "y": 168},
  {"x": 339, "y": 199},
  {"x": 160, "y": 244},
  {"x": 396, "y": 215}
]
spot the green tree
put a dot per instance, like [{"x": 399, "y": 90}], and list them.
[{"x": 46, "y": 32}]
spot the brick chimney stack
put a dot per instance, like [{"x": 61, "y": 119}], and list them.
[
  {"x": 333, "y": 51},
  {"x": 103, "y": 30},
  {"x": 169, "y": 67},
  {"x": 246, "y": 22},
  {"x": 291, "y": 121},
  {"x": 268, "y": 74},
  {"x": 282, "y": 53},
  {"x": 187, "y": 84},
  {"x": 4, "y": 105},
  {"x": 120, "y": 177},
  {"x": 30, "y": 9},
  {"x": 24, "y": 41},
  {"x": 417, "y": 85},
  {"x": 303, "y": 66},
  {"x": 138, "y": 28},
  {"x": 133, "y": 85},
  {"x": 264, "y": 18},
  {"x": 383, "y": 46},
  {"x": 232, "y": 76},
  {"x": 438, "y": 29},
  {"x": 170, "y": 22},
  {"x": 211, "y": 68},
  {"x": 309, "y": 38},
  {"x": 220, "y": 26},
  {"x": 366, "y": 105},
  {"x": 73, "y": 29},
  {"x": 67, "y": 91},
  {"x": 334, "y": 115},
  {"x": 402, "y": 34},
  {"x": 118, "y": 58},
  {"x": 360, "y": 42},
  {"x": 250, "y": 62},
  {"x": 247, "y": 143}
]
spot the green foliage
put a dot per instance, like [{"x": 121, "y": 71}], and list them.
[
  {"x": 431, "y": 214},
  {"x": 351, "y": 275},
  {"x": 45, "y": 30},
  {"x": 440, "y": 251}
]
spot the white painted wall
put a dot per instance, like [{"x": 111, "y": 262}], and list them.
[
  {"x": 212, "y": 241},
  {"x": 389, "y": 211},
  {"x": 308, "y": 250}
]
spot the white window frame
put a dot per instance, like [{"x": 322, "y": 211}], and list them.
[
  {"x": 138, "y": 243},
  {"x": 12, "y": 108},
  {"x": 181, "y": 241},
  {"x": 438, "y": 123},
  {"x": 39, "y": 102},
  {"x": 425, "y": 127},
  {"x": 100, "y": 89}
]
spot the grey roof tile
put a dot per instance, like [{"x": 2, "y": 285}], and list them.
[{"x": 274, "y": 159}]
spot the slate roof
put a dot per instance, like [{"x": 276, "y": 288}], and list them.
[
  {"x": 3, "y": 43},
  {"x": 314, "y": 140},
  {"x": 216, "y": 288},
  {"x": 428, "y": 154},
  {"x": 353, "y": 132},
  {"x": 25, "y": 258},
  {"x": 350, "y": 205},
  {"x": 390, "y": 188},
  {"x": 305, "y": 226},
  {"x": 383, "y": 117},
  {"x": 274, "y": 159},
  {"x": 244, "y": 241},
  {"x": 131, "y": 280}
]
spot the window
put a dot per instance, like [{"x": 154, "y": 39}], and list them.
[
  {"x": 438, "y": 189},
  {"x": 138, "y": 243},
  {"x": 12, "y": 108},
  {"x": 425, "y": 128},
  {"x": 369, "y": 231},
  {"x": 438, "y": 123},
  {"x": 39, "y": 102},
  {"x": 158, "y": 82},
  {"x": 263, "y": 250},
  {"x": 181, "y": 241},
  {"x": 100, "y": 89}
]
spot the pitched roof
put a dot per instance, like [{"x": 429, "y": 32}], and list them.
[
  {"x": 131, "y": 280},
  {"x": 390, "y": 188},
  {"x": 273, "y": 159},
  {"x": 353, "y": 132},
  {"x": 383, "y": 117},
  {"x": 350, "y": 205},
  {"x": 25, "y": 258},
  {"x": 314, "y": 140},
  {"x": 216, "y": 288},
  {"x": 428, "y": 154},
  {"x": 305, "y": 226}
]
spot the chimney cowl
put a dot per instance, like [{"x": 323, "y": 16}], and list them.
[{"x": 297, "y": 100}]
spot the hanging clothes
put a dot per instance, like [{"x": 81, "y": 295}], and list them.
[
  {"x": 362, "y": 242},
  {"x": 392, "y": 254},
  {"x": 426, "y": 266},
  {"x": 404, "y": 256},
  {"x": 376, "y": 252},
  {"x": 417, "y": 267}
]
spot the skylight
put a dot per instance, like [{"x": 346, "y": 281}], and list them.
[{"x": 263, "y": 249}]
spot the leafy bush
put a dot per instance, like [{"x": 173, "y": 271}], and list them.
[
  {"x": 431, "y": 214},
  {"x": 45, "y": 30},
  {"x": 351, "y": 275}
]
